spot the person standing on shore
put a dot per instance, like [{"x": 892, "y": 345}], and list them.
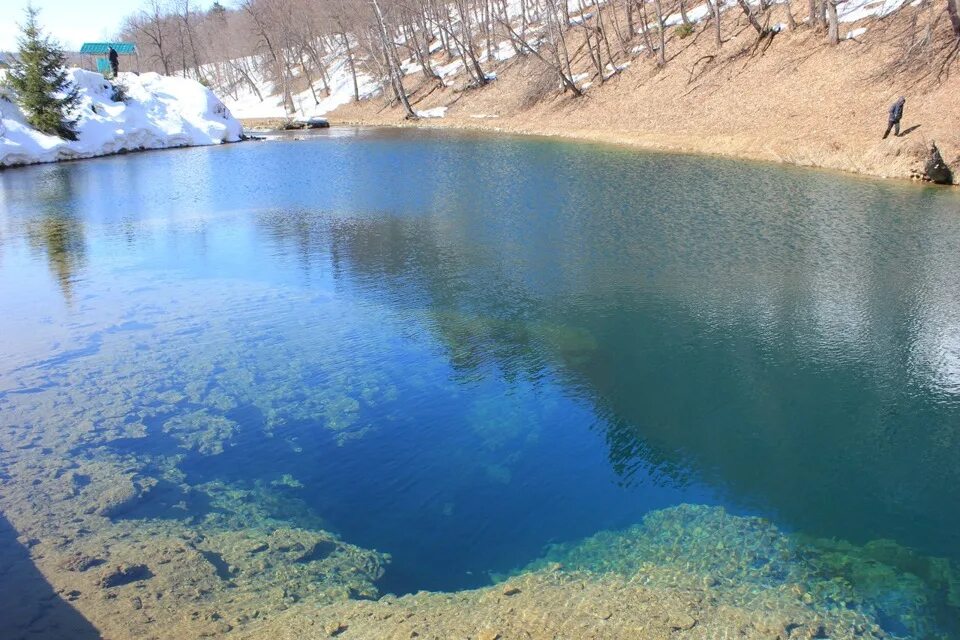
[
  {"x": 114, "y": 61},
  {"x": 896, "y": 113}
]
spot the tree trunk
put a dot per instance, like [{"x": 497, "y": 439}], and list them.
[
  {"x": 644, "y": 21},
  {"x": 833, "y": 35},
  {"x": 246, "y": 77},
  {"x": 393, "y": 67},
  {"x": 953, "y": 10},
  {"x": 751, "y": 17},
  {"x": 306, "y": 72},
  {"x": 662, "y": 52},
  {"x": 714, "y": 6},
  {"x": 791, "y": 21}
]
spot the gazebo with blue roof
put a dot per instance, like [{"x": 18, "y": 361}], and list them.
[{"x": 99, "y": 51}]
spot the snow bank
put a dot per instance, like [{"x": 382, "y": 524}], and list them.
[{"x": 161, "y": 111}]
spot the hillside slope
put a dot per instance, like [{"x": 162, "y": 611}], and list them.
[{"x": 795, "y": 99}]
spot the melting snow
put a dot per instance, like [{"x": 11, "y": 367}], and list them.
[
  {"x": 695, "y": 15},
  {"x": 436, "y": 112},
  {"x": 854, "y": 10}
]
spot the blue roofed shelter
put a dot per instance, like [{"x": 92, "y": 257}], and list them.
[{"x": 98, "y": 52}]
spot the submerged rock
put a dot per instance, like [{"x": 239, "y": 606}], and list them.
[
  {"x": 115, "y": 496},
  {"x": 124, "y": 574},
  {"x": 682, "y": 621},
  {"x": 79, "y": 562}
]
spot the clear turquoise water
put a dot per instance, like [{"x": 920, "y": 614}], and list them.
[{"x": 460, "y": 350}]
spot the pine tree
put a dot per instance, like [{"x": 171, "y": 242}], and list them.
[{"x": 39, "y": 79}]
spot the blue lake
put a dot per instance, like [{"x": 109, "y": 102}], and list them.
[{"x": 460, "y": 350}]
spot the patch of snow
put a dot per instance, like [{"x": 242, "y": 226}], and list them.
[
  {"x": 575, "y": 20},
  {"x": 694, "y": 15},
  {"x": 483, "y": 115},
  {"x": 854, "y": 10},
  {"x": 409, "y": 67},
  {"x": 162, "y": 111},
  {"x": 436, "y": 112},
  {"x": 450, "y": 69},
  {"x": 504, "y": 51},
  {"x": 341, "y": 88},
  {"x": 573, "y": 6},
  {"x": 856, "y": 33}
]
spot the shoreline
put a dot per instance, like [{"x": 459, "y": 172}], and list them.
[
  {"x": 800, "y": 102},
  {"x": 126, "y": 152},
  {"x": 641, "y": 142}
]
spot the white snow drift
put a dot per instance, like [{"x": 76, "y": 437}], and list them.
[{"x": 161, "y": 111}]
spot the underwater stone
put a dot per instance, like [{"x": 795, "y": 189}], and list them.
[
  {"x": 79, "y": 562},
  {"x": 682, "y": 621},
  {"x": 120, "y": 496},
  {"x": 125, "y": 574}
]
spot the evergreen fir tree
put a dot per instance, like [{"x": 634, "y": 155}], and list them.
[{"x": 39, "y": 79}]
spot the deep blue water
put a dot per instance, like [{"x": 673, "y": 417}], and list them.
[{"x": 465, "y": 348}]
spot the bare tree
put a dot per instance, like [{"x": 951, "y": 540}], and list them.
[
  {"x": 151, "y": 25},
  {"x": 661, "y": 29},
  {"x": 833, "y": 34},
  {"x": 390, "y": 59}
]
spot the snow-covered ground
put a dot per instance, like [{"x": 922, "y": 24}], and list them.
[
  {"x": 246, "y": 104},
  {"x": 161, "y": 111}
]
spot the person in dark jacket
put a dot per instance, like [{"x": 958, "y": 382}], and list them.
[
  {"x": 115, "y": 61},
  {"x": 896, "y": 113}
]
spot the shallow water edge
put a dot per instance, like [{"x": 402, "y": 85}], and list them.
[{"x": 691, "y": 146}]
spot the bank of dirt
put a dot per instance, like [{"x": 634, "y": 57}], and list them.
[{"x": 794, "y": 99}]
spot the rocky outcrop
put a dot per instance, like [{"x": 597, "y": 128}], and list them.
[{"x": 935, "y": 169}]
